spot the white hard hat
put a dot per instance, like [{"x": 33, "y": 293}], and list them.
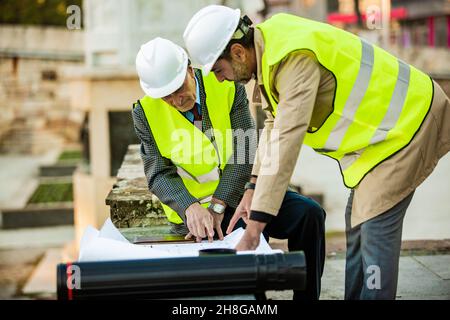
[
  {"x": 208, "y": 33},
  {"x": 161, "y": 66}
]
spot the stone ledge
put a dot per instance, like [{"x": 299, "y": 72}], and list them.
[{"x": 131, "y": 203}]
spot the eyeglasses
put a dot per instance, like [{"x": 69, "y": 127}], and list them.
[{"x": 180, "y": 90}]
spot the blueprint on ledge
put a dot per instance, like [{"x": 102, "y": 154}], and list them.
[{"x": 109, "y": 244}]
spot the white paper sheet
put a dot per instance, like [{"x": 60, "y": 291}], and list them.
[
  {"x": 230, "y": 242},
  {"x": 109, "y": 231},
  {"x": 90, "y": 233},
  {"x": 110, "y": 244}
]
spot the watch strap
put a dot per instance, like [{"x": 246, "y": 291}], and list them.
[{"x": 249, "y": 185}]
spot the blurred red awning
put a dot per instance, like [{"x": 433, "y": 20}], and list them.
[{"x": 396, "y": 14}]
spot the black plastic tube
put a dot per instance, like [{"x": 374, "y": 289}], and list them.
[{"x": 210, "y": 275}]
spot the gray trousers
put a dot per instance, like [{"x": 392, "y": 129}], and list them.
[{"x": 373, "y": 253}]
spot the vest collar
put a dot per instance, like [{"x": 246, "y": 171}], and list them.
[{"x": 259, "y": 50}]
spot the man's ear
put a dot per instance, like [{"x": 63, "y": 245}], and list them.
[
  {"x": 238, "y": 52},
  {"x": 190, "y": 70}
]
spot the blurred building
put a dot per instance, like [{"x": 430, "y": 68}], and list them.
[
  {"x": 413, "y": 22},
  {"x": 417, "y": 31},
  {"x": 312, "y": 9},
  {"x": 35, "y": 114},
  {"x": 424, "y": 23}
]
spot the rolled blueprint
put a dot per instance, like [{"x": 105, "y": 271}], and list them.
[{"x": 160, "y": 278}]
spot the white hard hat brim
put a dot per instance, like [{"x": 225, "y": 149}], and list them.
[
  {"x": 206, "y": 69},
  {"x": 170, "y": 88}
]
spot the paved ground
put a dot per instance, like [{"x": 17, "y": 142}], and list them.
[
  {"x": 21, "y": 251},
  {"x": 16, "y": 265},
  {"x": 421, "y": 277}
]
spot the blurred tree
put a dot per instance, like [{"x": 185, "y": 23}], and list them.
[{"x": 36, "y": 12}]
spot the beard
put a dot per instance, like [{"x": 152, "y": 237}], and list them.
[{"x": 241, "y": 71}]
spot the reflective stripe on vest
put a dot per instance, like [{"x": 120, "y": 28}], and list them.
[
  {"x": 362, "y": 82},
  {"x": 390, "y": 118},
  {"x": 213, "y": 175},
  {"x": 354, "y": 100},
  {"x": 205, "y": 200},
  {"x": 380, "y": 101},
  {"x": 198, "y": 160}
]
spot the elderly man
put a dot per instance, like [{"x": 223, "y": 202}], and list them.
[
  {"x": 384, "y": 121},
  {"x": 189, "y": 125},
  {"x": 185, "y": 162}
]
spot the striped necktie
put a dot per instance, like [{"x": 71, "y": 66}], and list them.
[{"x": 197, "y": 116}]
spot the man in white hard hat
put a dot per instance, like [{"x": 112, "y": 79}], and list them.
[
  {"x": 180, "y": 107},
  {"x": 183, "y": 146},
  {"x": 384, "y": 121}
]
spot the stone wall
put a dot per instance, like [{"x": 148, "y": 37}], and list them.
[{"x": 35, "y": 113}]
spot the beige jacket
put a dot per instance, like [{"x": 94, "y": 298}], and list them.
[{"x": 305, "y": 91}]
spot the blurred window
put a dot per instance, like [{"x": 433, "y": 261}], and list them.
[{"x": 49, "y": 75}]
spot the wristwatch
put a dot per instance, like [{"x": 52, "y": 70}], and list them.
[
  {"x": 217, "y": 208},
  {"x": 249, "y": 185}
]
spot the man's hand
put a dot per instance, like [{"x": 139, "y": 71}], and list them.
[
  {"x": 242, "y": 210},
  {"x": 218, "y": 218},
  {"x": 252, "y": 234},
  {"x": 199, "y": 222}
]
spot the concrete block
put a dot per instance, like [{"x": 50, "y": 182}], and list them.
[{"x": 38, "y": 216}]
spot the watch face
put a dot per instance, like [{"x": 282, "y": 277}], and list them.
[{"x": 218, "y": 208}]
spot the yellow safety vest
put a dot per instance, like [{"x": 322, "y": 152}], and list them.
[
  {"x": 199, "y": 162},
  {"x": 380, "y": 101}
]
